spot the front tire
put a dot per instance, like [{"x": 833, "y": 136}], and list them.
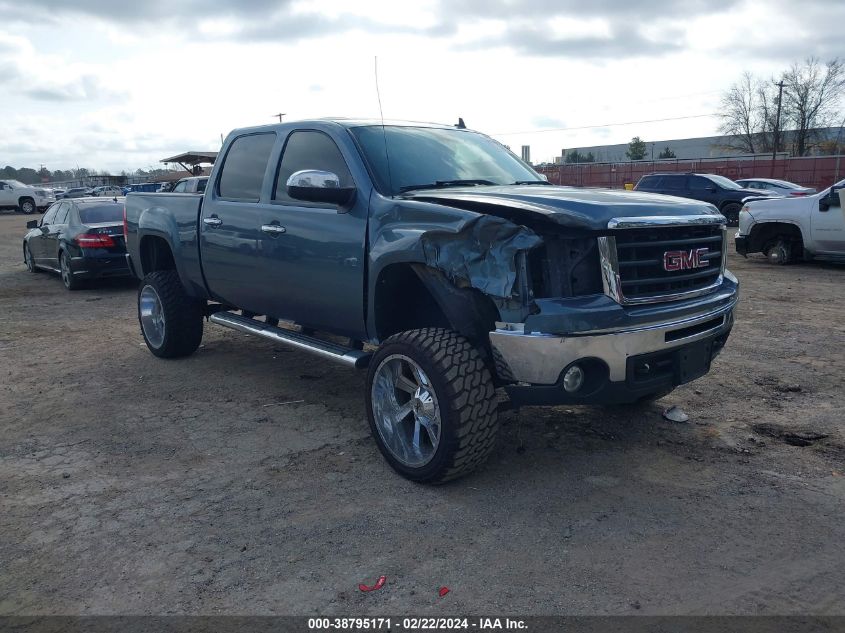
[
  {"x": 27, "y": 206},
  {"x": 27, "y": 258},
  {"x": 731, "y": 212},
  {"x": 171, "y": 321},
  {"x": 431, "y": 405},
  {"x": 780, "y": 252}
]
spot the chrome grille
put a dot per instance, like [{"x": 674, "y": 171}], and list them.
[{"x": 634, "y": 252}]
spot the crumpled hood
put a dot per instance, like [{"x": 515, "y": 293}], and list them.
[{"x": 589, "y": 209}]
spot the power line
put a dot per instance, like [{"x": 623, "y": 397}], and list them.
[{"x": 589, "y": 127}]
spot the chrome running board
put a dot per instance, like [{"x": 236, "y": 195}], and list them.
[{"x": 332, "y": 351}]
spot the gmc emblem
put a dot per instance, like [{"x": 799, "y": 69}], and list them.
[{"x": 685, "y": 260}]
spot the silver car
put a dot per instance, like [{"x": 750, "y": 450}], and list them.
[{"x": 783, "y": 187}]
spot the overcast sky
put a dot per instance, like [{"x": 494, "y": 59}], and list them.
[{"x": 119, "y": 86}]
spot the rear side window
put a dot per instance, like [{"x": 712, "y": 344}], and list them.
[
  {"x": 61, "y": 216},
  {"x": 92, "y": 214},
  {"x": 243, "y": 171},
  {"x": 309, "y": 150},
  {"x": 673, "y": 182}
]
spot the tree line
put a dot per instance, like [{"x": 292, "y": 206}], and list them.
[
  {"x": 806, "y": 97},
  {"x": 30, "y": 176}
]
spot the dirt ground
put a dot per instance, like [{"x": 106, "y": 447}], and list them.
[{"x": 243, "y": 480}]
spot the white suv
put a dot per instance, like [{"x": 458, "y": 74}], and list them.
[{"x": 29, "y": 199}]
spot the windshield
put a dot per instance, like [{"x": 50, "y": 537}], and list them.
[
  {"x": 15, "y": 183},
  {"x": 421, "y": 156},
  {"x": 727, "y": 183},
  {"x": 95, "y": 213}
]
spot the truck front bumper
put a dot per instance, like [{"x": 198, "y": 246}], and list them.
[
  {"x": 741, "y": 242},
  {"x": 618, "y": 366}
]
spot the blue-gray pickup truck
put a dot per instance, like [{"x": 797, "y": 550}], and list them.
[{"x": 436, "y": 259}]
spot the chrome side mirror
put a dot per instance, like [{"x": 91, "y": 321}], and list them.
[{"x": 315, "y": 185}]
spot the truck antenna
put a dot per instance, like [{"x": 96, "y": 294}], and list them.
[{"x": 383, "y": 132}]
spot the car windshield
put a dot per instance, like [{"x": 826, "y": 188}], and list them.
[
  {"x": 420, "y": 157},
  {"x": 726, "y": 183},
  {"x": 15, "y": 183},
  {"x": 95, "y": 213}
]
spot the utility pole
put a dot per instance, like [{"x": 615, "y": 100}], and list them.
[
  {"x": 280, "y": 115},
  {"x": 776, "y": 142}
]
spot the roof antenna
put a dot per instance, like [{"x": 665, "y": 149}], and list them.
[
  {"x": 383, "y": 132},
  {"x": 460, "y": 124}
]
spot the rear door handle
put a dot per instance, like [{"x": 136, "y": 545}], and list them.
[
  {"x": 212, "y": 221},
  {"x": 273, "y": 229}
]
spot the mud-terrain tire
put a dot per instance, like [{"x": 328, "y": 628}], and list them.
[
  {"x": 454, "y": 393},
  {"x": 171, "y": 321},
  {"x": 731, "y": 212}
]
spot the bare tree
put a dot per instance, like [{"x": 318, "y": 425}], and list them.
[
  {"x": 812, "y": 98},
  {"x": 740, "y": 115}
]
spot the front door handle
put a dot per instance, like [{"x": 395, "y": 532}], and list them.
[
  {"x": 212, "y": 221},
  {"x": 272, "y": 229}
]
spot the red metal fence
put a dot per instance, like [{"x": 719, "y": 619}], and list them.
[{"x": 811, "y": 171}]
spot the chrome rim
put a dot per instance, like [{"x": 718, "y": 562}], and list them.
[
  {"x": 65, "y": 270},
  {"x": 152, "y": 316},
  {"x": 28, "y": 207},
  {"x": 406, "y": 411}
]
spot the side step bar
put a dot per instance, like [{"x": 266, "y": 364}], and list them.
[{"x": 331, "y": 351}]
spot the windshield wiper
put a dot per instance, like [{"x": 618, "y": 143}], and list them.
[
  {"x": 440, "y": 184},
  {"x": 531, "y": 182}
]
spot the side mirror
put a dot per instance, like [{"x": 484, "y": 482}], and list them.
[
  {"x": 32, "y": 224},
  {"x": 314, "y": 185}
]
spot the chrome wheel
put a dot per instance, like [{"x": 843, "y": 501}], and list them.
[
  {"x": 28, "y": 207},
  {"x": 406, "y": 411},
  {"x": 152, "y": 316}
]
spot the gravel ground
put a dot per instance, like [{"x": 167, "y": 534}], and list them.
[{"x": 243, "y": 480}]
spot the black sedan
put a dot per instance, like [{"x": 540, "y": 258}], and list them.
[{"x": 80, "y": 239}]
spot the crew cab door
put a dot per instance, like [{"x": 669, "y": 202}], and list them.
[
  {"x": 703, "y": 189},
  {"x": 7, "y": 195},
  {"x": 311, "y": 255},
  {"x": 828, "y": 223}
]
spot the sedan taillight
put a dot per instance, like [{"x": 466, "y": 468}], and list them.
[{"x": 94, "y": 240}]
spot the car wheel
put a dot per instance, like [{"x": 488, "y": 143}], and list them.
[
  {"x": 431, "y": 405},
  {"x": 731, "y": 212},
  {"x": 779, "y": 252},
  {"x": 27, "y": 258},
  {"x": 27, "y": 206},
  {"x": 171, "y": 321},
  {"x": 68, "y": 279}
]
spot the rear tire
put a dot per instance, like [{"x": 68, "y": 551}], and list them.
[
  {"x": 731, "y": 212},
  {"x": 70, "y": 282},
  {"x": 431, "y": 405},
  {"x": 171, "y": 321}
]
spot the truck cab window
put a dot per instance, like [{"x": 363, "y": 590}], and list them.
[
  {"x": 243, "y": 172},
  {"x": 309, "y": 150}
]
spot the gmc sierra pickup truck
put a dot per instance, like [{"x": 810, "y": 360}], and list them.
[{"x": 435, "y": 258}]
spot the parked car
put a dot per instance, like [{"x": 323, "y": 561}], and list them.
[
  {"x": 107, "y": 191},
  {"x": 59, "y": 193},
  {"x": 782, "y": 187},
  {"x": 723, "y": 193},
  {"x": 24, "y": 198},
  {"x": 195, "y": 184},
  {"x": 462, "y": 267},
  {"x": 78, "y": 192},
  {"x": 790, "y": 229},
  {"x": 79, "y": 239},
  {"x": 144, "y": 186}
]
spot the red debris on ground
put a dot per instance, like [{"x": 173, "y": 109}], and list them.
[
  {"x": 379, "y": 584},
  {"x": 443, "y": 591}
]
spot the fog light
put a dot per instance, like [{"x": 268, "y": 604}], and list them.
[{"x": 573, "y": 379}]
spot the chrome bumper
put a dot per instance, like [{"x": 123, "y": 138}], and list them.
[{"x": 540, "y": 358}]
